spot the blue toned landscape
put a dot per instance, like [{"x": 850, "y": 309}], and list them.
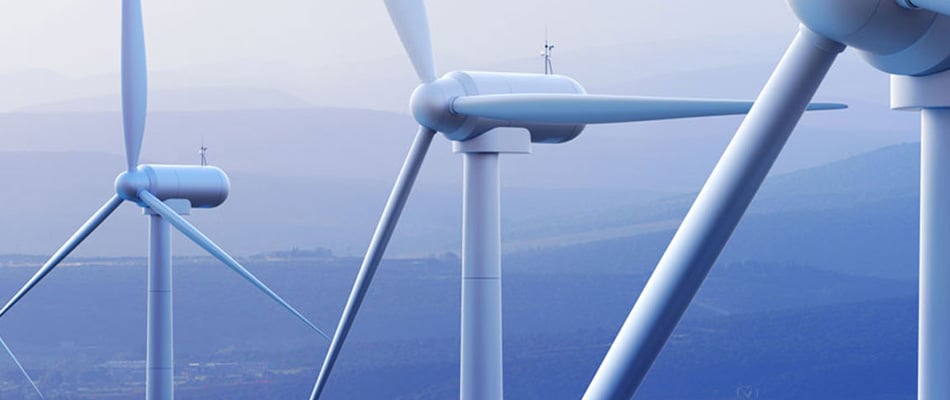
[
  {"x": 783, "y": 313},
  {"x": 233, "y": 141}
]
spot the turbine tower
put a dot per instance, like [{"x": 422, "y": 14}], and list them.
[
  {"x": 165, "y": 192},
  {"x": 909, "y": 39},
  {"x": 467, "y": 108}
]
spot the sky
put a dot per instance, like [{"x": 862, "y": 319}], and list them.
[
  {"x": 81, "y": 36},
  {"x": 346, "y": 54},
  {"x": 63, "y": 56},
  {"x": 323, "y": 43},
  {"x": 220, "y": 55}
]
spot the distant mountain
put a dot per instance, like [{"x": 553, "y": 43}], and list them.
[
  {"x": 890, "y": 173},
  {"x": 813, "y": 297},
  {"x": 186, "y": 99},
  {"x": 857, "y": 216},
  {"x": 343, "y": 143},
  {"x": 665, "y": 156},
  {"x": 46, "y": 196},
  {"x": 885, "y": 174},
  {"x": 32, "y": 86}
]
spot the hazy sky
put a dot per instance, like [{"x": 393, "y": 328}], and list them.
[
  {"x": 81, "y": 37},
  {"x": 345, "y": 53}
]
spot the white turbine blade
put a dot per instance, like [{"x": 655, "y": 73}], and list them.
[
  {"x": 20, "y": 366},
  {"x": 411, "y": 22},
  {"x": 87, "y": 228},
  {"x": 713, "y": 216},
  {"x": 938, "y": 6},
  {"x": 598, "y": 109},
  {"x": 374, "y": 254},
  {"x": 200, "y": 239},
  {"x": 134, "y": 80}
]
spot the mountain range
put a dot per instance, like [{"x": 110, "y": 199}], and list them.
[{"x": 814, "y": 296}]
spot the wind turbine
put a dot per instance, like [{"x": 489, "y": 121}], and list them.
[
  {"x": 165, "y": 192},
  {"x": 467, "y": 107},
  {"x": 546, "y": 54},
  {"x": 909, "y": 39}
]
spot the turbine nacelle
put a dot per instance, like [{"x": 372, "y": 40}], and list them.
[
  {"x": 891, "y": 37},
  {"x": 433, "y": 104},
  {"x": 202, "y": 186}
]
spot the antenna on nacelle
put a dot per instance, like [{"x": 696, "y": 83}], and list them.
[{"x": 548, "y": 67}]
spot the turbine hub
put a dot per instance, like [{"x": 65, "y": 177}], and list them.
[
  {"x": 431, "y": 104},
  {"x": 202, "y": 186},
  {"x": 129, "y": 183},
  {"x": 889, "y": 36}
]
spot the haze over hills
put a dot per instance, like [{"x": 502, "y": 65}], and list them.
[
  {"x": 713, "y": 65},
  {"x": 266, "y": 124},
  {"x": 865, "y": 206},
  {"x": 825, "y": 256},
  {"x": 263, "y": 213},
  {"x": 332, "y": 126},
  {"x": 185, "y": 99},
  {"x": 858, "y": 216},
  {"x": 385, "y": 81}
]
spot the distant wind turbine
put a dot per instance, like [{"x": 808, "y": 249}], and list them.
[
  {"x": 546, "y": 54},
  {"x": 909, "y": 39},
  {"x": 467, "y": 107},
  {"x": 165, "y": 192}
]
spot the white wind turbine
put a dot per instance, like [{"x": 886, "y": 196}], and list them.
[
  {"x": 165, "y": 192},
  {"x": 467, "y": 107},
  {"x": 909, "y": 39}
]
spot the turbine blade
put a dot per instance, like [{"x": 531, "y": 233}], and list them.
[
  {"x": 598, "y": 109},
  {"x": 87, "y": 228},
  {"x": 713, "y": 216},
  {"x": 374, "y": 254},
  {"x": 937, "y": 6},
  {"x": 187, "y": 229},
  {"x": 20, "y": 366},
  {"x": 134, "y": 80},
  {"x": 411, "y": 22}
]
